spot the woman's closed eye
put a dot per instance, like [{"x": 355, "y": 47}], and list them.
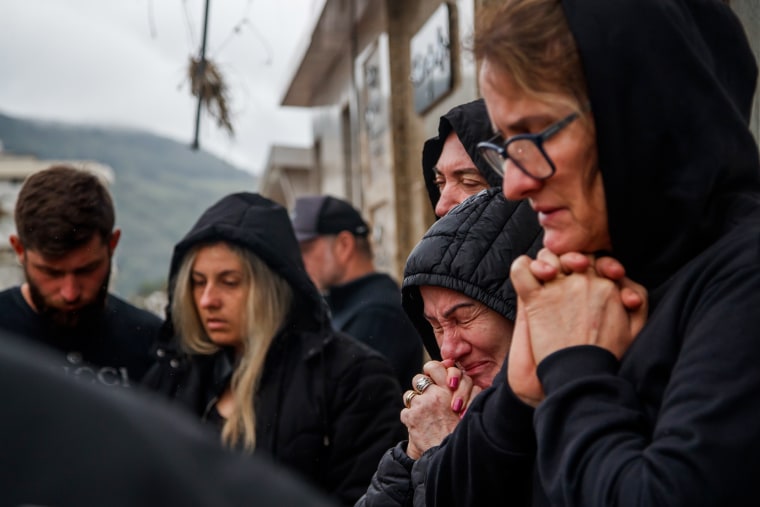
[
  {"x": 473, "y": 182},
  {"x": 231, "y": 282}
]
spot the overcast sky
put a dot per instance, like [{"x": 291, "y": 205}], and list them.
[{"x": 124, "y": 62}]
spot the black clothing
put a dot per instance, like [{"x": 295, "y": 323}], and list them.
[
  {"x": 494, "y": 448},
  {"x": 471, "y": 124},
  {"x": 470, "y": 251},
  {"x": 675, "y": 421},
  {"x": 67, "y": 443},
  {"x": 327, "y": 406},
  {"x": 369, "y": 309},
  {"x": 399, "y": 480},
  {"x": 113, "y": 350}
]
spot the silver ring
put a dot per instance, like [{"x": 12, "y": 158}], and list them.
[
  {"x": 408, "y": 398},
  {"x": 423, "y": 383}
]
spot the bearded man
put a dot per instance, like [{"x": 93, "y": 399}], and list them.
[{"x": 65, "y": 240}]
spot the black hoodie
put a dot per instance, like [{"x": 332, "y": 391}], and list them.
[
  {"x": 675, "y": 421},
  {"x": 257, "y": 224},
  {"x": 327, "y": 406},
  {"x": 471, "y": 124}
]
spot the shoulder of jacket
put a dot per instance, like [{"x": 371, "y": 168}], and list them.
[{"x": 340, "y": 352}]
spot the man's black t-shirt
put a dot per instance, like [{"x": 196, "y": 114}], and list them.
[{"x": 113, "y": 350}]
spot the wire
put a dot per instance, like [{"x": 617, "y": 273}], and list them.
[
  {"x": 245, "y": 21},
  {"x": 189, "y": 25},
  {"x": 236, "y": 29}
]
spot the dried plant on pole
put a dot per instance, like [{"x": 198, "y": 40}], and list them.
[{"x": 207, "y": 83}]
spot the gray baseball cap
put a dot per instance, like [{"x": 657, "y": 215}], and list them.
[{"x": 317, "y": 215}]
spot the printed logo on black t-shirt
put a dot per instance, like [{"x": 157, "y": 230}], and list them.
[{"x": 106, "y": 375}]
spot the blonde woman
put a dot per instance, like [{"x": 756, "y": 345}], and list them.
[{"x": 248, "y": 348}]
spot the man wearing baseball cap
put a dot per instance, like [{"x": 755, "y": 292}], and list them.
[{"x": 365, "y": 303}]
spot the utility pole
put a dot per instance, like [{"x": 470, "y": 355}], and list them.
[{"x": 200, "y": 73}]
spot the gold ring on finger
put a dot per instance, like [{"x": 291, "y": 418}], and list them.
[{"x": 408, "y": 398}]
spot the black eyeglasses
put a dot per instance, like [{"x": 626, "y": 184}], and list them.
[{"x": 525, "y": 150}]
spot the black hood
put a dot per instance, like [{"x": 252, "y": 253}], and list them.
[
  {"x": 671, "y": 111},
  {"x": 471, "y": 124},
  {"x": 470, "y": 250},
  {"x": 263, "y": 227}
]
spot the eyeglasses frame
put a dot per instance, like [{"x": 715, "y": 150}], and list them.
[{"x": 537, "y": 139}]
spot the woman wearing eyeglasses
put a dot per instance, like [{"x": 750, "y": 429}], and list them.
[{"x": 624, "y": 125}]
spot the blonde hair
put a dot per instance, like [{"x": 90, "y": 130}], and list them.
[
  {"x": 531, "y": 41},
  {"x": 268, "y": 302}
]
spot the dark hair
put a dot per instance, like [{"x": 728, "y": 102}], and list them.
[
  {"x": 531, "y": 41},
  {"x": 61, "y": 208}
]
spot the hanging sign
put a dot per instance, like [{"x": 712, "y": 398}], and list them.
[{"x": 431, "y": 60}]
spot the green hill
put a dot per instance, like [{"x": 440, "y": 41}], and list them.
[{"x": 160, "y": 187}]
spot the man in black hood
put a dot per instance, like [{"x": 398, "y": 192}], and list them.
[{"x": 452, "y": 167}]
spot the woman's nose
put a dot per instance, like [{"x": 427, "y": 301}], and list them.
[
  {"x": 516, "y": 184},
  {"x": 208, "y": 297},
  {"x": 454, "y": 344}
]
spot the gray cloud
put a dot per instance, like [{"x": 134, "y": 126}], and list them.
[{"x": 119, "y": 62}]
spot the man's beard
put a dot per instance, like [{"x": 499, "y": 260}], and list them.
[{"x": 85, "y": 315}]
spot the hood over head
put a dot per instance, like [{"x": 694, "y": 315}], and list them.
[
  {"x": 470, "y": 250},
  {"x": 262, "y": 226},
  {"x": 471, "y": 124},
  {"x": 671, "y": 86}
]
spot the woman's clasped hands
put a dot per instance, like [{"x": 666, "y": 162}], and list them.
[
  {"x": 569, "y": 300},
  {"x": 439, "y": 398}
]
